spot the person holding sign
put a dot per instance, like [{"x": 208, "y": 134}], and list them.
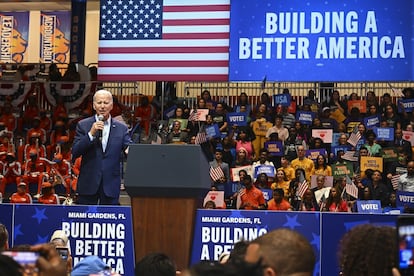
[
  {"x": 334, "y": 202},
  {"x": 373, "y": 148}
]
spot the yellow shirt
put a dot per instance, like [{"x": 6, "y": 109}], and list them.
[
  {"x": 306, "y": 164},
  {"x": 282, "y": 185},
  {"x": 322, "y": 171},
  {"x": 289, "y": 172}
]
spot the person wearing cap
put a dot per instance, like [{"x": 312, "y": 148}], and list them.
[
  {"x": 21, "y": 196},
  {"x": 12, "y": 171},
  {"x": 91, "y": 265},
  {"x": 100, "y": 141},
  {"x": 48, "y": 194},
  {"x": 327, "y": 121}
]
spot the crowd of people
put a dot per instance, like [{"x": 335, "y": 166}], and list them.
[{"x": 278, "y": 150}]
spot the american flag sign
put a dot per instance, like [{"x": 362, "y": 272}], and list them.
[
  {"x": 216, "y": 173},
  {"x": 170, "y": 40},
  {"x": 354, "y": 137}
]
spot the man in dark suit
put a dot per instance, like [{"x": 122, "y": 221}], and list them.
[
  {"x": 400, "y": 144},
  {"x": 100, "y": 140}
]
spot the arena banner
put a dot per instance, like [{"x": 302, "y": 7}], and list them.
[
  {"x": 55, "y": 36},
  {"x": 6, "y": 218},
  {"x": 294, "y": 40},
  {"x": 92, "y": 230},
  {"x": 217, "y": 230},
  {"x": 14, "y": 37}
]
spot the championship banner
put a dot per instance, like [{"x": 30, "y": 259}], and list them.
[
  {"x": 321, "y": 40},
  {"x": 105, "y": 232},
  {"x": 14, "y": 37},
  {"x": 73, "y": 93},
  {"x": 55, "y": 36}
]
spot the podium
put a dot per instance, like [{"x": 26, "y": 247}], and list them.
[{"x": 166, "y": 184}]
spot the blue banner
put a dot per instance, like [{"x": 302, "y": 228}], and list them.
[
  {"x": 408, "y": 105},
  {"x": 305, "y": 117},
  {"x": 335, "y": 150},
  {"x": 369, "y": 206},
  {"x": 236, "y": 118},
  {"x": 14, "y": 37},
  {"x": 405, "y": 199},
  {"x": 282, "y": 99},
  {"x": 372, "y": 121},
  {"x": 105, "y": 232},
  {"x": 384, "y": 133},
  {"x": 294, "y": 40},
  {"x": 267, "y": 169}
]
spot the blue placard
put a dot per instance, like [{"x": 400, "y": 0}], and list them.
[
  {"x": 405, "y": 199},
  {"x": 275, "y": 148},
  {"x": 384, "y": 133},
  {"x": 282, "y": 99},
  {"x": 104, "y": 231},
  {"x": 267, "y": 169},
  {"x": 313, "y": 153},
  {"x": 267, "y": 194},
  {"x": 305, "y": 117},
  {"x": 169, "y": 113},
  {"x": 294, "y": 40},
  {"x": 237, "y": 118},
  {"x": 335, "y": 139},
  {"x": 213, "y": 131},
  {"x": 408, "y": 105},
  {"x": 372, "y": 121},
  {"x": 335, "y": 150},
  {"x": 369, "y": 206}
]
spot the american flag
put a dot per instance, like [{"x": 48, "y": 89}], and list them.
[
  {"x": 397, "y": 92},
  {"x": 201, "y": 138},
  {"x": 350, "y": 156},
  {"x": 164, "y": 40},
  {"x": 303, "y": 185},
  {"x": 354, "y": 137},
  {"x": 216, "y": 173},
  {"x": 351, "y": 189},
  {"x": 394, "y": 181},
  {"x": 193, "y": 115}
]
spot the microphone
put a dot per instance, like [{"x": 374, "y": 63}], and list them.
[{"x": 99, "y": 134}]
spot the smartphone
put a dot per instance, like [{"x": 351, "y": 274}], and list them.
[
  {"x": 27, "y": 259},
  {"x": 405, "y": 238},
  {"x": 63, "y": 252}
]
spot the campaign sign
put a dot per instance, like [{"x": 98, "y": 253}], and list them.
[
  {"x": 314, "y": 153},
  {"x": 292, "y": 40},
  {"x": 335, "y": 139},
  {"x": 275, "y": 148},
  {"x": 105, "y": 232},
  {"x": 267, "y": 194},
  {"x": 324, "y": 134},
  {"x": 282, "y": 99},
  {"x": 235, "y": 172},
  {"x": 267, "y": 169},
  {"x": 237, "y": 118},
  {"x": 408, "y": 136},
  {"x": 216, "y": 231},
  {"x": 305, "y": 117},
  {"x": 373, "y": 163},
  {"x": 361, "y": 105},
  {"x": 328, "y": 180},
  {"x": 369, "y": 206},
  {"x": 384, "y": 133},
  {"x": 389, "y": 154},
  {"x": 335, "y": 150},
  {"x": 372, "y": 121},
  {"x": 342, "y": 170},
  {"x": 213, "y": 131},
  {"x": 408, "y": 105},
  {"x": 216, "y": 196},
  {"x": 405, "y": 199}
]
